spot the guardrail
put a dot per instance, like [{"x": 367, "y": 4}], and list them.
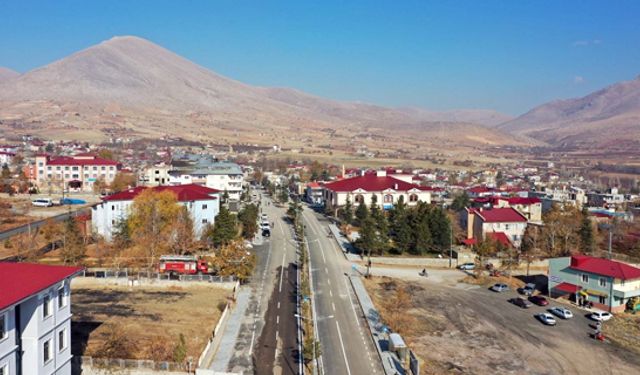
[{"x": 82, "y": 362}]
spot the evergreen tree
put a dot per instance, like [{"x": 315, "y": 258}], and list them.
[
  {"x": 347, "y": 212},
  {"x": 73, "y": 242},
  {"x": 248, "y": 217},
  {"x": 6, "y": 172},
  {"x": 367, "y": 241},
  {"x": 284, "y": 195},
  {"x": 400, "y": 229},
  {"x": 361, "y": 214},
  {"x": 225, "y": 228},
  {"x": 460, "y": 201},
  {"x": 422, "y": 236},
  {"x": 587, "y": 238},
  {"x": 440, "y": 229}
]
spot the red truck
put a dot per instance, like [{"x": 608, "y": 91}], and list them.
[{"x": 183, "y": 264}]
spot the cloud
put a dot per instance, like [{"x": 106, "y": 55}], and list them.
[
  {"x": 586, "y": 43},
  {"x": 578, "y": 80}
]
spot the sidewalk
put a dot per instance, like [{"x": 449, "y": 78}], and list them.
[
  {"x": 390, "y": 361},
  {"x": 225, "y": 352},
  {"x": 344, "y": 244}
]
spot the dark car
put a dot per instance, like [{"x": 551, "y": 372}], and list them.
[
  {"x": 539, "y": 300},
  {"x": 520, "y": 302},
  {"x": 266, "y": 233}
]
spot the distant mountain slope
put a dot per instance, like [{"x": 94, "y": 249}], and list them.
[
  {"x": 603, "y": 117},
  {"x": 147, "y": 88},
  {"x": 7, "y": 74}
]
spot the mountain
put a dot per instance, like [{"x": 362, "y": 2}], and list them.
[
  {"x": 128, "y": 85},
  {"x": 7, "y": 74},
  {"x": 486, "y": 117},
  {"x": 608, "y": 116}
]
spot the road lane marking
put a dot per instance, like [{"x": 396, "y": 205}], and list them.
[
  {"x": 330, "y": 293},
  {"x": 281, "y": 272},
  {"x": 355, "y": 315},
  {"x": 278, "y": 304},
  {"x": 326, "y": 270},
  {"x": 344, "y": 353},
  {"x": 278, "y": 319},
  {"x": 334, "y": 306}
]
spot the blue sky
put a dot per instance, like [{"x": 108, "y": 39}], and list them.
[{"x": 504, "y": 55}]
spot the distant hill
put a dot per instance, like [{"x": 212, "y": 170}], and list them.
[
  {"x": 605, "y": 117},
  {"x": 7, "y": 74},
  {"x": 130, "y": 84}
]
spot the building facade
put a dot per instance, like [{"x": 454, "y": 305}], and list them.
[
  {"x": 202, "y": 203},
  {"x": 608, "y": 284},
  {"x": 35, "y": 319},
  {"x": 74, "y": 173},
  {"x": 224, "y": 176},
  {"x": 496, "y": 223}
]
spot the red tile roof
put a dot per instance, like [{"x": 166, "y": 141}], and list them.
[
  {"x": 83, "y": 160},
  {"x": 370, "y": 183},
  {"x": 21, "y": 280},
  {"x": 567, "y": 287},
  {"x": 604, "y": 267},
  {"x": 184, "y": 193},
  {"x": 501, "y": 215},
  {"x": 521, "y": 200},
  {"x": 499, "y": 237}
]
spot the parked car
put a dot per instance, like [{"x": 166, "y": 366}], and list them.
[
  {"x": 601, "y": 316},
  {"x": 519, "y": 301},
  {"x": 42, "y": 202},
  {"x": 528, "y": 289},
  {"x": 499, "y": 287},
  {"x": 562, "y": 312},
  {"x": 539, "y": 300},
  {"x": 266, "y": 232},
  {"x": 264, "y": 217},
  {"x": 547, "y": 319},
  {"x": 467, "y": 266}
]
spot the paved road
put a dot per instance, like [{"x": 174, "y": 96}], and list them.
[
  {"x": 37, "y": 224},
  {"x": 346, "y": 344}
]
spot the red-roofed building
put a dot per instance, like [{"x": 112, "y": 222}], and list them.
[
  {"x": 6, "y": 157},
  {"x": 361, "y": 189},
  {"x": 75, "y": 173},
  {"x": 608, "y": 284},
  {"x": 35, "y": 318},
  {"x": 507, "y": 221},
  {"x": 202, "y": 202},
  {"x": 531, "y": 207}
]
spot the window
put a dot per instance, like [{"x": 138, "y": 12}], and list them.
[
  {"x": 74, "y": 168},
  {"x": 113, "y": 207},
  {"x": 111, "y": 168},
  {"x": 46, "y": 307},
  {"x": 413, "y": 198},
  {"x": 57, "y": 168},
  {"x": 46, "y": 351},
  {"x": 95, "y": 168},
  {"x": 103, "y": 168},
  {"x": 66, "y": 168},
  {"x": 506, "y": 227},
  {"x": 62, "y": 342},
  {"x": 62, "y": 299},
  {"x": 359, "y": 199},
  {"x": 3, "y": 326},
  {"x": 204, "y": 206},
  {"x": 48, "y": 167},
  {"x": 585, "y": 278},
  {"x": 602, "y": 281},
  {"x": 204, "y": 221},
  {"x": 602, "y": 300},
  {"x": 4, "y": 369},
  {"x": 388, "y": 198}
]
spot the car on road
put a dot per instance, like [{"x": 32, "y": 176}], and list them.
[
  {"x": 266, "y": 232},
  {"x": 499, "y": 287},
  {"x": 539, "y": 300},
  {"x": 562, "y": 312},
  {"x": 42, "y": 202},
  {"x": 528, "y": 289},
  {"x": 547, "y": 319},
  {"x": 601, "y": 316},
  {"x": 264, "y": 217},
  {"x": 519, "y": 301},
  {"x": 467, "y": 266}
]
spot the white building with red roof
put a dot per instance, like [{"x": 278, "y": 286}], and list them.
[
  {"x": 607, "y": 284},
  {"x": 387, "y": 190},
  {"x": 35, "y": 318},
  {"x": 202, "y": 202},
  {"x": 496, "y": 223},
  {"x": 75, "y": 173}
]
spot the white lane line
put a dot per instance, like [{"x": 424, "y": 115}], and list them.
[
  {"x": 344, "y": 353},
  {"x": 278, "y": 304},
  {"x": 253, "y": 337},
  {"x": 281, "y": 272},
  {"x": 329, "y": 281},
  {"x": 355, "y": 315},
  {"x": 278, "y": 319},
  {"x": 330, "y": 293},
  {"x": 334, "y": 306},
  {"x": 326, "y": 270}
]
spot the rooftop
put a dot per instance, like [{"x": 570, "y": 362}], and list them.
[
  {"x": 19, "y": 281},
  {"x": 605, "y": 267},
  {"x": 80, "y": 159},
  {"x": 500, "y": 215},
  {"x": 184, "y": 193},
  {"x": 370, "y": 182}
]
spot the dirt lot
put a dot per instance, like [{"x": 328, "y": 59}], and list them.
[
  {"x": 475, "y": 331},
  {"x": 151, "y": 318}
]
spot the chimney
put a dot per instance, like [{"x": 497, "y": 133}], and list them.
[
  {"x": 395, "y": 186},
  {"x": 381, "y": 173}
]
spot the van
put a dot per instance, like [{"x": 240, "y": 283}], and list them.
[{"x": 42, "y": 202}]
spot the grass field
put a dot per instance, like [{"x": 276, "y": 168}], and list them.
[{"x": 149, "y": 318}]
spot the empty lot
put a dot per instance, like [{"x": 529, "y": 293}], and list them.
[{"x": 476, "y": 331}]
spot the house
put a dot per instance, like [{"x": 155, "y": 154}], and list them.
[
  {"x": 156, "y": 175},
  {"x": 608, "y": 284},
  {"x": 75, "y": 173},
  {"x": 313, "y": 193},
  {"x": 224, "y": 176},
  {"x": 500, "y": 224},
  {"x": 572, "y": 196},
  {"x": 531, "y": 208},
  {"x": 361, "y": 189},
  {"x": 203, "y": 204},
  {"x": 35, "y": 318},
  {"x": 6, "y": 157}
]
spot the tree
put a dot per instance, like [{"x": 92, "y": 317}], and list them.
[
  {"x": 284, "y": 195},
  {"x": 6, "y": 172},
  {"x": 422, "y": 236},
  {"x": 123, "y": 181},
  {"x": 73, "y": 250},
  {"x": 51, "y": 231},
  {"x": 587, "y": 237},
  {"x": 121, "y": 234},
  {"x": 440, "y": 229},
  {"x": 151, "y": 223},
  {"x": 347, "y": 212},
  {"x": 99, "y": 185},
  {"x": 180, "y": 351},
  {"x": 361, "y": 214},
  {"x": 105, "y": 153},
  {"x": 530, "y": 246},
  {"x": 248, "y": 218},
  {"x": 225, "y": 196},
  {"x": 460, "y": 201},
  {"x": 233, "y": 259},
  {"x": 367, "y": 241},
  {"x": 225, "y": 228},
  {"x": 183, "y": 239},
  {"x": 402, "y": 234}
]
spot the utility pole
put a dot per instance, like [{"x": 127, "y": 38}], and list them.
[
  {"x": 450, "y": 243},
  {"x": 610, "y": 235}
]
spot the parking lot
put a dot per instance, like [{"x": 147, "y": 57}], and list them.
[{"x": 475, "y": 330}]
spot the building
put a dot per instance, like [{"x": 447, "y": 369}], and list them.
[
  {"x": 224, "y": 176},
  {"x": 6, "y": 157},
  {"x": 531, "y": 208},
  {"x": 572, "y": 196},
  {"x": 35, "y": 319},
  {"x": 156, "y": 176},
  {"x": 386, "y": 189},
  {"x": 313, "y": 193},
  {"x": 74, "y": 173},
  {"x": 203, "y": 205},
  {"x": 608, "y": 284},
  {"x": 497, "y": 223}
]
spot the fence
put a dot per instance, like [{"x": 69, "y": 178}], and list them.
[
  {"x": 83, "y": 362},
  {"x": 125, "y": 274}
]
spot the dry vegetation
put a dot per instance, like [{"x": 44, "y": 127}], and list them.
[
  {"x": 624, "y": 330},
  {"x": 144, "y": 322}
]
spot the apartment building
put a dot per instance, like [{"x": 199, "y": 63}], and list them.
[
  {"x": 224, "y": 176},
  {"x": 35, "y": 319},
  {"x": 74, "y": 173},
  {"x": 500, "y": 224}
]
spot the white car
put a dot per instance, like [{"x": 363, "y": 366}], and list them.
[
  {"x": 264, "y": 217},
  {"x": 562, "y": 312},
  {"x": 547, "y": 319},
  {"x": 601, "y": 316},
  {"x": 42, "y": 202},
  {"x": 500, "y": 287}
]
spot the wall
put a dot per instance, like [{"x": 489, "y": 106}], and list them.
[{"x": 8, "y": 344}]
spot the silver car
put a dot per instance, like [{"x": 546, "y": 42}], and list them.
[
  {"x": 500, "y": 287},
  {"x": 547, "y": 319},
  {"x": 562, "y": 312}
]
